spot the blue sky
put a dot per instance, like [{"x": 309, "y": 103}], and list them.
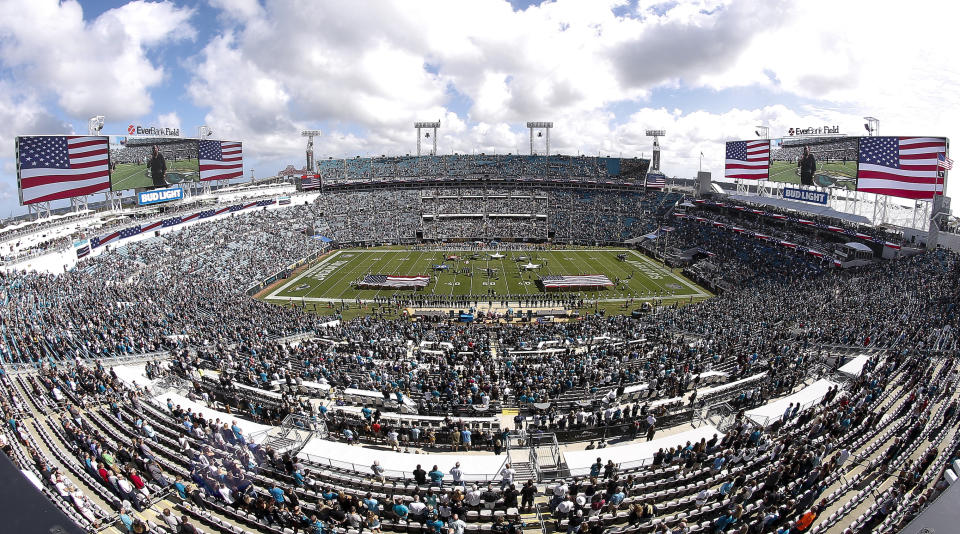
[{"x": 707, "y": 71}]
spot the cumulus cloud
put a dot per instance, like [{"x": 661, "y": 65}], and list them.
[
  {"x": 20, "y": 114},
  {"x": 365, "y": 70},
  {"x": 170, "y": 120},
  {"x": 98, "y": 66}
]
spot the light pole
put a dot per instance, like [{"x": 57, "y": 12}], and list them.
[
  {"x": 310, "y": 134},
  {"x": 539, "y": 125},
  {"x": 434, "y": 125}
]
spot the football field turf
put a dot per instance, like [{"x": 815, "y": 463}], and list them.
[
  {"x": 333, "y": 278},
  {"x": 134, "y": 176},
  {"x": 829, "y": 174}
]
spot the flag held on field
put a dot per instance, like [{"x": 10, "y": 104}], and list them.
[
  {"x": 749, "y": 160},
  {"x": 220, "y": 160},
  {"x": 384, "y": 281},
  {"x": 906, "y": 167},
  {"x": 55, "y": 167},
  {"x": 575, "y": 281}
]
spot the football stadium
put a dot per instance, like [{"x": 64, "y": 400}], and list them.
[{"x": 453, "y": 334}]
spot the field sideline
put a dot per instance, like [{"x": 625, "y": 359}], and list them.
[{"x": 331, "y": 279}]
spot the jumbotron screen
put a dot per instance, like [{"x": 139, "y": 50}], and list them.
[
  {"x": 146, "y": 163},
  {"x": 820, "y": 162},
  {"x": 908, "y": 167}
]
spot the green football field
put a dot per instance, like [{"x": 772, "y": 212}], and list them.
[
  {"x": 333, "y": 278},
  {"x": 134, "y": 176},
  {"x": 829, "y": 174}
]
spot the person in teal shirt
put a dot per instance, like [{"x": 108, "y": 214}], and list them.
[{"x": 436, "y": 477}]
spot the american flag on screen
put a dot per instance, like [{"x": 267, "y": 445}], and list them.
[
  {"x": 571, "y": 281},
  {"x": 220, "y": 160},
  {"x": 309, "y": 181},
  {"x": 62, "y": 166},
  {"x": 906, "y": 167},
  {"x": 394, "y": 282},
  {"x": 656, "y": 180},
  {"x": 748, "y": 160}
]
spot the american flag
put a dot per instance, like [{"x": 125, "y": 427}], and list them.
[
  {"x": 573, "y": 281},
  {"x": 905, "y": 167},
  {"x": 309, "y": 181},
  {"x": 100, "y": 241},
  {"x": 656, "y": 180},
  {"x": 220, "y": 160},
  {"x": 394, "y": 282},
  {"x": 83, "y": 250},
  {"x": 207, "y": 213},
  {"x": 944, "y": 162},
  {"x": 748, "y": 159},
  {"x": 172, "y": 221},
  {"x": 236, "y": 207},
  {"x": 58, "y": 167},
  {"x": 130, "y": 232}
]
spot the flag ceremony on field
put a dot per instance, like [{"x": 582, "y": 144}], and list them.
[{"x": 394, "y": 282}]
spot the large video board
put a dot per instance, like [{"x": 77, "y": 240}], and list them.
[
  {"x": 57, "y": 167},
  {"x": 907, "y": 167},
  {"x": 145, "y": 162}
]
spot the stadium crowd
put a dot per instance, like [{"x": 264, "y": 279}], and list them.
[
  {"x": 513, "y": 167},
  {"x": 185, "y": 295}
]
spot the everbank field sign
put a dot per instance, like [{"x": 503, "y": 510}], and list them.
[
  {"x": 820, "y": 130},
  {"x": 153, "y": 131}
]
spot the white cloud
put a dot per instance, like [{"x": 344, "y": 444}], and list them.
[
  {"x": 364, "y": 70},
  {"x": 171, "y": 120},
  {"x": 92, "y": 67},
  {"x": 20, "y": 114}
]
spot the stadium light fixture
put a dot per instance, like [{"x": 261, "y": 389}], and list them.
[
  {"x": 310, "y": 134},
  {"x": 872, "y": 125},
  {"x": 540, "y": 125},
  {"x": 419, "y": 125},
  {"x": 94, "y": 125},
  {"x": 656, "y": 135}
]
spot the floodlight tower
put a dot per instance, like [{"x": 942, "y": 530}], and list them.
[
  {"x": 203, "y": 132},
  {"x": 310, "y": 134},
  {"x": 95, "y": 125},
  {"x": 419, "y": 126},
  {"x": 656, "y": 135},
  {"x": 872, "y": 125},
  {"x": 546, "y": 126}
]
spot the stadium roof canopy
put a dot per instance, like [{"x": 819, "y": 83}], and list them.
[
  {"x": 858, "y": 246},
  {"x": 802, "y": 207}
]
